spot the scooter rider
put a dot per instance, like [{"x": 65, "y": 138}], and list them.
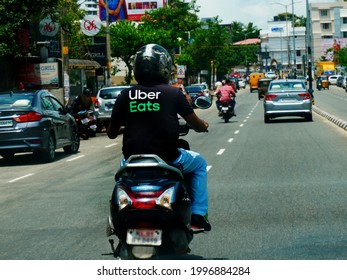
[
  {"x": 82, "y": 102},
  {"x": 148, "y": 111},
  {"x": 224, "y": 93}
]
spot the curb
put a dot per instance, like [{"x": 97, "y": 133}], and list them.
[{"x": 332, "y": 118}]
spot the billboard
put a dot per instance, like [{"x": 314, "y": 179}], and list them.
[
  {"x": 128, "y": 9},
  {"x": 41, "y": 74}
]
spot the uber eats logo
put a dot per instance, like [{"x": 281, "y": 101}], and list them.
[{"x": 140, "y": 105}]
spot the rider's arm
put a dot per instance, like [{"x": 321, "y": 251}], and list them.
[
  {"x": 196, "y": 123},
  {"x": 112, "y": 130}
]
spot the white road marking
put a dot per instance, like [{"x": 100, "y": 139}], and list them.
[
  {"x": 208, "y": 167},
  {"x": 221, "y": 151},
  {"x": 231, "y": 140},
  {"x": 237, "y": 131},
  {"x": 241, "y": 125},
  {"x": 78, "y": 157},
  {"x": 111, "y": 145},
  {"x": 22, "y": 177}
]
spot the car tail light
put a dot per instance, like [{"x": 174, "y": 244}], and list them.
[
  {"x": 201, "y": 93},
  {"x": 269, "y": 97},
  {"x": 28, "y": 117},
  {"x": 96, "y": 103},
  {"x": 305, "y": 95}
]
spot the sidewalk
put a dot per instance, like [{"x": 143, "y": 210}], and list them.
[{"x": 330, "y": 117}]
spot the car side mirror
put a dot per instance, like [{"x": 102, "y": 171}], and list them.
[{"x": 203, "y": 102}]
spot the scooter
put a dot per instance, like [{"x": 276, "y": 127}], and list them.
[
  {"x": 86, "y": 123},
  {"x": 226, "y": 111},
  {"x": 150, "y": 207}
]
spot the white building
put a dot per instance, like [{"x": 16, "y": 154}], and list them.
[
  {"x": 90, "y": 6},
  {"x": 283, "y": 47}
]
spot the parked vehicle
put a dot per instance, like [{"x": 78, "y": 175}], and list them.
[
  {"x": 287, "y": 98},
  {"x": 204, "y": 88},
  {"x": 322, "y": 82},
  {"x": 35, "y": 121},
  {"x": 333, "y": 79},
  {"x": 150, "y": 206},
  {"x": 339, "y": 80},
  {"x": 263, "y": 85},
  {"x": 104, "y": 101},
  {"x": 194, "y": 92}
]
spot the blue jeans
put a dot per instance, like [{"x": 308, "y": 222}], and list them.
[{"x": 194, "y": 167}]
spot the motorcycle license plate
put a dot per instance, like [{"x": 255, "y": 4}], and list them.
[
  {"x": 93, "y": 127},
  {"x": 85, "y": 120},
  {"x": 144, "y": 237},
  {"x": 225, "y": 109}
]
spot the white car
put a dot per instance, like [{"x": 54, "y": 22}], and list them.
[
  {"x": 333, "y": 79},
  {"x": 271, "y": 75},
  {"x": 242, "y": 83}
]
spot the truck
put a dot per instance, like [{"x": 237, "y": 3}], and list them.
[{"x": 326, "y": 68}]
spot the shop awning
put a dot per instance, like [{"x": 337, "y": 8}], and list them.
[{"x": 83, "y": 64}]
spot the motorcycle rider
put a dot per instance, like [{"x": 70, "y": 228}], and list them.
[
  {"x": 83, "y": 102},
  {"x": 149, "y": 113},
  {"x": 224, "y": 93}
]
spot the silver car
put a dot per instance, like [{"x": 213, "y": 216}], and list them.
[
  {"x": 104, "y": 102},
  {"x": 287, "y": 98}
]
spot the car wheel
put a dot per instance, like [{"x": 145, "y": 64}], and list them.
[
  {"x": 7, "y": 155},
  {"x": 75, "y": 143},
  {"x": 266, "y": 119},
  {"x": 48, "y": 154},
  {"x": 308, "y": 117}
]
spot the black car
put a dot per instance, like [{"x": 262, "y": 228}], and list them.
[
  {"x": 35, "y": 121},
  {"x": 194, "y": 92}
]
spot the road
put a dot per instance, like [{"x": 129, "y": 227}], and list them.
[{"x": 276, "y": 191}]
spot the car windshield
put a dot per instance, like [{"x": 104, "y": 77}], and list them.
[
  {"x": 287, "y": 86},
  {"x": 191, "y": 89},
  {"x": 110, "y": 93},
  {"x": 15, "y": 100}
]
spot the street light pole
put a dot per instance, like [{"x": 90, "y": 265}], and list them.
[
  {"x": 108, "y": 47},
  {"x": 294, "y": 49}
]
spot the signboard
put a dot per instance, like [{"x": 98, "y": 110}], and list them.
[
  {"x": 42, "y": 74},
  {"x": 181, "y": 71},
  {"x": 90, "y": 25},
  {"x": 48, "y": 28},
  {"x": 128, "y": 9}
]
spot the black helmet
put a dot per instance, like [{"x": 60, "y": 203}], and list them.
[
  {"x": 152, "y": 63},
  {"x": 87, "y": 92}
]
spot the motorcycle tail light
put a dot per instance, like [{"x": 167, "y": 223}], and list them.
[
  {"x": 166, "y": 198},
  {"x": 124, "y": 199}
]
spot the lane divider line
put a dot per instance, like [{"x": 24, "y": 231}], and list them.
[
  {"x": 22, "y": 177},
  {"x": 111, "y": 145},
  {"x": 78, "y": 157},
  {"x": 220, "y": 152}
]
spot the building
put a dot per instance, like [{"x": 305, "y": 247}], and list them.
[
  {"x": 328, "y": 23},
  {"x": 89, "y": 6},
  {"x": 283, "y": 48}
]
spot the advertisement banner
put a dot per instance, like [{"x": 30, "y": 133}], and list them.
[
  {"x": 42, "y": 74},
  {"x": 128, "y": 9}
]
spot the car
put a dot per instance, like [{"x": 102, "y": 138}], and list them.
[
  {"x": 36, "y": 121},
  {"x": 339, "y": 80},
  {"x": 242, "y": 83},
  {"x": 194, "y": 91},
  {"x": 205, "y": 89},
  {"x": 103, "y": 104},
  {"x": 287, "y": 98},
  {"x": 270, "y": 75},
  {"x": 333, "y": 79}
]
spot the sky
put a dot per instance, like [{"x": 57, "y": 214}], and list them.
[{"x": 256, "y": 11}]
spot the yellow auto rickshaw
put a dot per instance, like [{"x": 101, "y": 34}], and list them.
[
  {"x": 263, "y": 85},
  {"x": 322, "y": 82}
]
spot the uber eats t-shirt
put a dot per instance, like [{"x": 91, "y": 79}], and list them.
[{"x": 149, "y": 116}]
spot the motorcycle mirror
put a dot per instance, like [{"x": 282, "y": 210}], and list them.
[{"x": 203, "y": 102}]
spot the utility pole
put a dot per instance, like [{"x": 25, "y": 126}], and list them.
[
  {"x": 294, "y": 49},
  {"x": 108, "y": 47},
  {"x": 65, "y": 62},
  {"x": 309, "y": 51}
]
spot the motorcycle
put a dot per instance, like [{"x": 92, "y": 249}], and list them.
[
  {"x": 150, "y": 206},
  {"x": 226, "y": 111},
  {"x": 86, "y": 123}
]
